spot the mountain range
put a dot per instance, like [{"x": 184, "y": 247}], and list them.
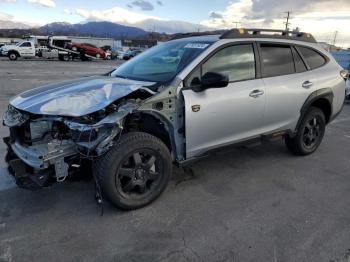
[
  {"x": 96, "y": 29},
  {"x": 13, "y": 25},
  {"x": 109, "y": 29}
]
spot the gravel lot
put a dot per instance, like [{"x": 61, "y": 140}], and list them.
[{"x": 255, "y": 203}]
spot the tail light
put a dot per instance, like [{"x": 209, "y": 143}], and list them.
[{"x": 344, "y": 74}]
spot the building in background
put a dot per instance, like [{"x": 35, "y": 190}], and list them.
[{"x": 343, "y": 58}]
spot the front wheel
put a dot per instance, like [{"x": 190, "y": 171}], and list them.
[
  {"x": 310, "y": 133},
  {"x": 13, "y": 56},
  {"x": 135, "y": 172}
]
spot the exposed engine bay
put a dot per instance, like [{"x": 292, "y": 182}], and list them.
[{"x": 45, "y": 147}]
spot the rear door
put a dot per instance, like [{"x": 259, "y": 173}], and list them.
[
  {"x": 287, "y": 85},
  {"x": 220, "y": 116}
]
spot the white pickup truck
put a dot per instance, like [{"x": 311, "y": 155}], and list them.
[{"x": 22, "y": 49}]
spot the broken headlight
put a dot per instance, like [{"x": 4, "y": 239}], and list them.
[{"x": 13, "y": 117}]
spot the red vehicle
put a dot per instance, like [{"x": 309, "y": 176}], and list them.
[{"x": 88, "y": 49}]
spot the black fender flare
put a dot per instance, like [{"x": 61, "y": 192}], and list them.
[
  {"x": 325, "y": 93},
  {"x": 168, "y": 125}
]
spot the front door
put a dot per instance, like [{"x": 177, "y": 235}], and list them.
[
  {"x": 220, "y": 116},
  {"x": 27, "y": 49}
]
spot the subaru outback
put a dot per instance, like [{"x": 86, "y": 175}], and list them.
[{"x": 174, "y": 103}]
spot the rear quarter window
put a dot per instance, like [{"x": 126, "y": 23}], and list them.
[{"x": 312, "y": 57}]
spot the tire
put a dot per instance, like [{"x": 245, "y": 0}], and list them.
[
  {"x": 12, "y": 56},
  {"x": 65, "y": 58},
  {"x": 310, "y": 133},
  {"x": 135, "y": 171},
  {"x": 98, "y": 56}
]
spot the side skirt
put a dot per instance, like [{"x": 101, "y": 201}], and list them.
[{"x": 261, "y": 139}]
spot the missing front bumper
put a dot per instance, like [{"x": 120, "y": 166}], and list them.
[
  {"x": 24, "y": 179},
  {"x": 47, "y": 159}
]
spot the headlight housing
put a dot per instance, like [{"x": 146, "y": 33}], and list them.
[{"x": 13, "y": 117}]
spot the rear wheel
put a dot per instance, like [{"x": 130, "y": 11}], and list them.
[
  {"x": 136, "y": 171},
  {"x": 13, "y": 56},
  {"x": 65, "y": 58},
  {"x": 310, "y": 133}
]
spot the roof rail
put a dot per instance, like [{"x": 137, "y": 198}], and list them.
[
  {"x": 185, "y": 35},
  {"x": 271, "y": 33}
]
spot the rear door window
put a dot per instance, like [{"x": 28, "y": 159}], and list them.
[
  {"x": 311, "y": 57},
  {"x": 277, "y": 60}
]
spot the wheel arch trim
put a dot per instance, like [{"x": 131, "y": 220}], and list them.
[
  {"x": 324, "y": 93},
  {"x": 169, "y": 127}
]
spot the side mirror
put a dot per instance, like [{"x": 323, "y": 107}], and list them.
[{"x": 214, "y": 80}]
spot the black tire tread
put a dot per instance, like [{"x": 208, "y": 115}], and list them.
[
  {"x": 292, "y": 143},
  {"x": 126, "y": 140}
]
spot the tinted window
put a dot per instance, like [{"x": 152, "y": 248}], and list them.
[
  {"x": 26, "y": 44},
  {"x": 237, "y": 62},
  {"x": 276, "y": 60},
  {"x": 299, "y": 64},
  {"x": 312, "y": 58}
]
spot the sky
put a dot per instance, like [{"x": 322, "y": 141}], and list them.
[{"x": 319, "y": 17}]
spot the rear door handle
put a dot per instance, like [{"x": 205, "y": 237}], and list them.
[
  {"x": 256, "y": 93},
  {"x": 307, "y": 84}
]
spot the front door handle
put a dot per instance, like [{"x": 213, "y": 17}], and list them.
[
  {"x": 256, "y": 93},
  {"x": 307, "y": 84}
]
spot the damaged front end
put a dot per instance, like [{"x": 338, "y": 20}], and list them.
[{"x": 44, "y": 148}]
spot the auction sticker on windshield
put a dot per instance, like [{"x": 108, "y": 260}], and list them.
[{"x": 196, "y": 45}]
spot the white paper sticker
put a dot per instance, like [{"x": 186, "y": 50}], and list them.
[{"x": 196, "y": 45}]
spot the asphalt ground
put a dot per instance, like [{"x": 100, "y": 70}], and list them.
[{"x": 256, "y": 203}]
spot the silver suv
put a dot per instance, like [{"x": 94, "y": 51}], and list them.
[{"x": 174, "y": 103}]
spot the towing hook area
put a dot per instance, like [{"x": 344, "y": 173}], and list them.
[{"x": 18, "y": 170}]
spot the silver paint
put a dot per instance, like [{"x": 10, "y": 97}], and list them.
[{"x": 78, "y": 97}]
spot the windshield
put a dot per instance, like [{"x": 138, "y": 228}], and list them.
[{"x": 163, "y": 62}]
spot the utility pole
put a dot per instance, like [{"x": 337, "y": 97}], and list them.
[
  {"x": 236, "y": 23},
  {"x": 287, "y": 23},
  {"x": 335, "y": 37}
]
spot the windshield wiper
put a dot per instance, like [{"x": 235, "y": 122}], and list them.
[{"x": 119, "y": 76}]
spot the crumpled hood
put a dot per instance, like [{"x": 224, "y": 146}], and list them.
[{"x": 77, "y": 97}]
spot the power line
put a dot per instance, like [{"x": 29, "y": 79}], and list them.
[{"x": 287, "y": 23}]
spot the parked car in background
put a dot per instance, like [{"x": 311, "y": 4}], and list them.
[
  {"x": 22, "y": 49},
  {"x": 87, "y": 49},
  {"x": 129, "y": 54}
]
